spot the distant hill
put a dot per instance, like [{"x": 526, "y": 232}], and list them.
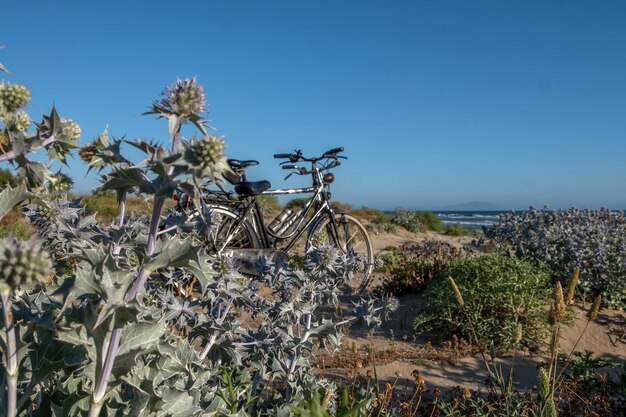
[{"x": 472, "y": 206}]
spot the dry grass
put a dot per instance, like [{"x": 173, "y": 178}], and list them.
[
  {"x": 353, "y": 358},
  {"x": 106, "y": 207}
]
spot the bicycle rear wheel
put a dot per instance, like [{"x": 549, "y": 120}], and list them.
[
  {"x": 217, "y": 230},
  {"x": 228, "y": 232},
  {"x": 351, "y": 237}
]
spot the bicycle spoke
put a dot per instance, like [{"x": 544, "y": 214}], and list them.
[{"x": 351, "y": 237}]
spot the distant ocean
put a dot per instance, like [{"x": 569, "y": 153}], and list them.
[{"x": 471, "y": 220}]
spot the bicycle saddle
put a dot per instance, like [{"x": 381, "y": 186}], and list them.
[
  {"x": 248, "y": 188},
  {"x": 238, "y": 164}
]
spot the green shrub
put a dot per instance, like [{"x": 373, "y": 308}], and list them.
[
  {"x": 408, "y": 219},
  {"x": 7, "y": 178},
  {"x": 456, "y": 229},
  {"x": 104, "y": 206},
  {"x": 19, "y": 229},
  {"x": 500, "y": 293},
  {"x": 270, "y": 207},
  {"x": 375, "y": 220},
  {"x": 296, "y": 203},
  {"x": 417, "y": 221},
  {"x": 411, "y": 267},
  {"x": 370, "y": 214},
  {"x": 339, "y": 206},
  {"x": 430, "y": 221}
]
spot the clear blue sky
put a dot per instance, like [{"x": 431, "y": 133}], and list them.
[{"x": 436, "y": 103}]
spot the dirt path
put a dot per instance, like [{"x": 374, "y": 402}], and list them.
[{"x": 382, "y": 240}]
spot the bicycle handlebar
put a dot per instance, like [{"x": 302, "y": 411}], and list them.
[
  {"x": 333, "y": 152},
  {"x": 297, "y": 156}
]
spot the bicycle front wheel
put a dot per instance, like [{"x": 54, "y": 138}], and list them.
[{"x": 349, "y": 236}]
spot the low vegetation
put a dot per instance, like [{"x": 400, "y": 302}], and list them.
[
  {"x": 375, "y": 220},
  {"x": 408, "y": 219},
  {"x": 14, "y": 225},
  {"x": 410, "y": 268},
  {"x": 456, "y": 230},
  {"x": 592, "y": 240},
  {"x": 500, "y": 294},
  {"x": 105, "y": 207},
  {"x": 430, "y": 221}
]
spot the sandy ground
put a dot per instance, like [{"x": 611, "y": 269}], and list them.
[
  {"x": 382, "y": 240},
  {"x": 398, "y": 352}
]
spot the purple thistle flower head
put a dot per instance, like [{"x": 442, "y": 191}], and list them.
[
  {"x": 390, "y": 303},
  {"x": 184, "y": 98},
  {"x": 327, "y": 255},
  {"x": 225, "y": 267}
]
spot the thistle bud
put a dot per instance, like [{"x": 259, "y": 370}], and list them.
[
  {"x": 225, "y": 267},
  {"x": 379, "y": 263},
  {"x": 47, "y": 214},
  {"x": 21, "y": 121},
  {"x": 319, "y": 238},
  {"x": 60, "y": 182},
  {"x": 13, "y": 97},
  {"x": 359, "y": 266},
  {"x": 208, "y": 155},
  {"x": 210, "y": 150},
  {"x": 457, "y": 292},
  {"x": 571, "y": 287},
  {"x": 558, "y": 309},
  {"x": 592, "y": 314},
  {"x": 70, "y": 130},
  {"x": 22, "y": 263},
  {"x": 87, "y": 152},
  {"x": 184, "y": 98}
]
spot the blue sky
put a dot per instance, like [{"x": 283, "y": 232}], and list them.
[{"x": 436, "y": 103}]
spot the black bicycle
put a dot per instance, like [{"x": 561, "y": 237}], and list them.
[{"x": 233, "y": 221}]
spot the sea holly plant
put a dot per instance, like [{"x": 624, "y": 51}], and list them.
[
  {"x": 592, "y": 240},
  {"x": 108, "y": 320}
]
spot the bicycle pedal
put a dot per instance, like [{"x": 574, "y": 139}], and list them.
[{"x": 246, "y": 258}]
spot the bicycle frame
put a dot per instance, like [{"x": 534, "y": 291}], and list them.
[{"x": 268, "y": 239}]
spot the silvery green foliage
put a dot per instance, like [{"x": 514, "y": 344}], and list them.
[
  {"x": 127, "y": 323},
  {"x": 592, "y": 240}
]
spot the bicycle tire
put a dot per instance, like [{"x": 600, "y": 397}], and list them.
[
  {"x": 359, "y": 242},
  {"x": 246, "y": 237}
]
